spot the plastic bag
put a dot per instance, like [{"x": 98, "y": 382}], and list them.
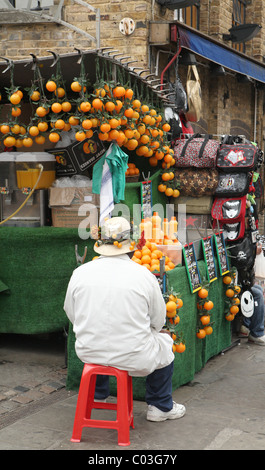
[
  {"x": 193, "y": 95},
  {"x": 260, "y": 266}
]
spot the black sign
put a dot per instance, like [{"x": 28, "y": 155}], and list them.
[
  {"x": 78, "y": 157},
  {"x": 192, "y": 267},
  {"x": 208, "y": 253},
  {"x": 221, "y": 253}
]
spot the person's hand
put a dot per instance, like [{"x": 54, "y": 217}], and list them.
[
  {"x": 165, "y": 331},
  {"x": 259, "y": 249}
]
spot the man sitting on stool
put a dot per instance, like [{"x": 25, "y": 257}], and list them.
[{"x": 118, "y": 312}]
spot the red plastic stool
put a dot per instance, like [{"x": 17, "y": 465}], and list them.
[{"x": 86, "y": 403}]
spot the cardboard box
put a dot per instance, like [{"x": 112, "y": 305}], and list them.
[{"x": 66, "y": 202}]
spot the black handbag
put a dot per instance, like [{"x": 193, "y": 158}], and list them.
[
  {"x": 243, "y": 254},
  {"x": 242, "y": 157},
  {"x": 233, "y": 184}
]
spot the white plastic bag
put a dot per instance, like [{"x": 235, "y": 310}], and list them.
[{"x": 260, "y": 266}]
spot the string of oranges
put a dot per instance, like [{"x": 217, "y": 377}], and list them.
[
  {"x": 231, "y": 291},
  {"x": 110, "y": 111},
  {"x": 173, "y": 304},
  {"x": 204, "y": 306}
]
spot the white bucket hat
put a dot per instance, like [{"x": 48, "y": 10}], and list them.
[{"x": 115, "y": 238}]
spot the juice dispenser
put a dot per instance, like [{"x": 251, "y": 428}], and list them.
[{"x": 19, "y": 173}]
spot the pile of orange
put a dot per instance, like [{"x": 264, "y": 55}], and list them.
[
  {"x": 149, "y": 256},
  {"x": 231, "y": 291},
  {"x": 168, "y": 185},
  {"x": 132, "y": 170},
  {"x": 204, "y": 306}
]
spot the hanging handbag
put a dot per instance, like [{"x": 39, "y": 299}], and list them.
[
  {"x": 243, "y": 254},
  {"x": 196, "y": 182},
  {"x": 196, "y": 151},
  {"x": 194, "y": 98},
  {"x": 233, "y": 231},
  {"x": 229, "y": 209},
  {"x": 229, "y": 215},
  {"x": 181, "y": 102},
  {"x": 233, "y": 184},
  {"x": 241, "y": 157}
]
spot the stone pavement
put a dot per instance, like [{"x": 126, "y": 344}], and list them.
[{"x": 225, "y": 404}]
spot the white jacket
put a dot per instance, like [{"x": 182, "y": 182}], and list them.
[{"x": 117, "y": 311}]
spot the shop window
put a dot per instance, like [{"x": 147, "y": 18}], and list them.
[
  {"x": 239, "y": 17},
  {"x": 190, "y": 16}
]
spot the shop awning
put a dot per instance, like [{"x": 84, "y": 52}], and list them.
[{"x": 219, "y": 54}]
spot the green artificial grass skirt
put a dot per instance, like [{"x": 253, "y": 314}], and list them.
[{"x": 35, "y": 266}]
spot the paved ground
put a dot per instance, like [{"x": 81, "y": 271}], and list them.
[{"x": 225, "y": 403}]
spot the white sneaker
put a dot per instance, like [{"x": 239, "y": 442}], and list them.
[
  {"x": 244, "y": 332},
  {"x": 154, "y": 414},
  {"x": 257, "y": 340}
]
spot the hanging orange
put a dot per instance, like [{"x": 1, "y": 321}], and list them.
[
  {"x": 43, "y": 126},
  {"x": 27, "y": 142},
  {"x": 85, "y": 106},
  {"x": 15, "y": 98},
  {"x": 51, "y": 85},
  {"x": 41, "y": 111},
  {"x": 114, "y": 123},
  {"x": 54, "y": 137},
  {"x": 105, "y": 127},
  {"x": 87, "y": 124},
  {"x": 75, "y": 86},
  {"x": 128, "y": 93},
  {"x": 16, "y": 111},
  {"x": 40, "y": 139},
  {"x": 153, "y": 161},
  {"x": 56, "y": 107},
  {"x": 97, "y": 103},
  {"x": 59, "y": 124},
  {"x": 118, "y": 91},
  {"x": 109, "y": 106},
  {"x": 66, "y": 106},
  {"x": 73, "y": 121},
  {"x": 33, "y": 131},
  {"x": 60, "y": 92},
  {"x": 9, "y": 141},
  {"x": 166, "y": 127},
  {"x": 80, "y": 135}
]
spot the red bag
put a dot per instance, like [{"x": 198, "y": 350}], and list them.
[
  {"x": 229, "y": 209},
  {"x": 197, "y": 151},
  {"x": 229, "y": 215}
]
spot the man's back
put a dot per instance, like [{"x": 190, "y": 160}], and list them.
[{"x": 117, "y": 311}]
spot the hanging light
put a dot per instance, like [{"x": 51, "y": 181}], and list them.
[
  {"x": 218, "y": 70},
  {"x": 243, "y": 78},
  {"x": 242, "y": 33},
  {"x": 187, "y": 58}
]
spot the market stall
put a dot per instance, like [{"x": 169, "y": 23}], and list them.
[{"x": 109, "y": 152}]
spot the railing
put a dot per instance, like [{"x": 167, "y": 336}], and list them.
[{"x": 48, "y": 10}]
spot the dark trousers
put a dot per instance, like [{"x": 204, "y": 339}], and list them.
[{"x": 158, "y": 388}]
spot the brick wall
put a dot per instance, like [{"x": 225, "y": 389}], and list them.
[{"x": 19, "y": 40}]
